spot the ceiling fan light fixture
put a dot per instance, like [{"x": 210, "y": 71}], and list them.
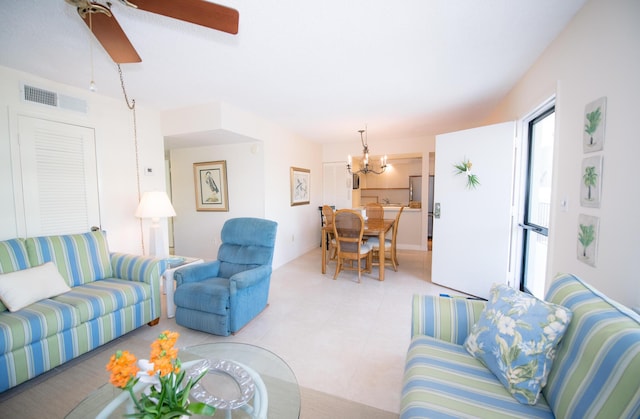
[
  {"x": 111, "y": 36},
  {"x": 85, "y": 7}
]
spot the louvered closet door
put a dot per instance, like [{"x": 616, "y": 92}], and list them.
[{"x": 59, "y": 177}]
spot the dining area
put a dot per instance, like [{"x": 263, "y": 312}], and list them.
[{"x": 353, "y": 237}]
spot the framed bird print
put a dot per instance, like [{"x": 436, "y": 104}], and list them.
[
  {"x": 300, "y": 183},
  {"x": 211, "y": 186}
]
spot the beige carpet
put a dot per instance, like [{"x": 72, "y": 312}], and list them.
[{"x": 55, "y": 393}]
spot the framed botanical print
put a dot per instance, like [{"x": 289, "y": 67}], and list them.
[
  {"x": 587, "y": 250},
  {"x": 300, "y": 184},
  {"x": 595, "y": 114},
  {"x": 591, "y": 182},
  {"x": 211, "y": 186}
]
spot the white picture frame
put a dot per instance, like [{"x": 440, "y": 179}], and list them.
[
  {"x": 587, "y": 239},
  {"x": 594, "y": 125},
  {"x": 591, "y": 182}
]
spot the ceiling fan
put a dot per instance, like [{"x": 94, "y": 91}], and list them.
[{"x": 109, "y": 33}]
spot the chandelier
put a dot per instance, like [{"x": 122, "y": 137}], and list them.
[{"x": 365, "y": 167}]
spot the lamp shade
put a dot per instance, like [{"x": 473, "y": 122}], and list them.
[{"x": 155, "y": 204}]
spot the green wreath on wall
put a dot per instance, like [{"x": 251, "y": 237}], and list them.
[{"x": 465, "y": 167}]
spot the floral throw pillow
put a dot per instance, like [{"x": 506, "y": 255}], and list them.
[{"x": 516, "y": 338}]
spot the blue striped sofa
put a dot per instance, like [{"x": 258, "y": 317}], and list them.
[
  {"x": 111, "y": 294},
  {"x": 596, "y": 372}
]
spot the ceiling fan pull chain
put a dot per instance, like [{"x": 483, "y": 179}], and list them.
[{"x": 132, "y": 106}]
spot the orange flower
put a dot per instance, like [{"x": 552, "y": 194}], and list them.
[
  {"x": 163, "y": 354},
  {"x": 123, "y": 368}
]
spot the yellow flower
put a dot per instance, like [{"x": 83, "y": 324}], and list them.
[{"x": 123, "y": 368}]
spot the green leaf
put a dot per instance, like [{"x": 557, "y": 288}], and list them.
[{"x": 202, "y": 409}]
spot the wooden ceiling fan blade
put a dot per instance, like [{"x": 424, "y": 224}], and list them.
[
  {"x": 200, "y": 12},
  {"x": 113, "y": 39}
]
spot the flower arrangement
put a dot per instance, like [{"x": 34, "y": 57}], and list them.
[
  {"x": 465, "y": 167},
  {"x": 168, "y": 396}
]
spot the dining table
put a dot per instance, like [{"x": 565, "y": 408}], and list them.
[{"x": 372, "y": 227}]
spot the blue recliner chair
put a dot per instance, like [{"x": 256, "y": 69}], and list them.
[{"x": 222, "y": 296}]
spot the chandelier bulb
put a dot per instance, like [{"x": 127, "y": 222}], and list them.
[{"x": 92, "y": 86}]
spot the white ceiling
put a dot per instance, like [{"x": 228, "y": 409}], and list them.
[{"x": 322, "y": 69}]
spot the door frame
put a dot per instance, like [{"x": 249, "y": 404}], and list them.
[{"x": 517, "y": 262}]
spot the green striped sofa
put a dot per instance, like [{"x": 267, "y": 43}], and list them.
[
  {"x": 111, "y": 294},
  {"x": 596, "y": 372}
]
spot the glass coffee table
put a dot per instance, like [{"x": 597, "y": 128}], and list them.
[{"x": 245, "y": 381}]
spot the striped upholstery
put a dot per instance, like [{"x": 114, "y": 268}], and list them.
[
  {"x": 144, "y": 269},
  {"x": 37, "y": 357},
  {"x": 596, "y": 373},
  {"x": 80, "y": 258},
  {"x": 13, "y": 257},
  {"x": 445, "y": 318},
  {"x": 98, "y": 298},
  {"x": 35, "y": 322},
  {"x": 40, "y": 356},
  {"x": 443, "y": 381},
  {"x": 111, "y": 295}
]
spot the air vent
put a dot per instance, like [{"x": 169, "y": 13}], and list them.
[
  {"x": 46, "y": 97},
  {"x": 72, "y": 103},
  {"x": 33, "y": 94}
]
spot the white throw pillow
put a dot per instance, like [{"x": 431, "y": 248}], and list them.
[{"x": 21, "y": 288}]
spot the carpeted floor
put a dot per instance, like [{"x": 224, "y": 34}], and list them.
[{"x": 54, "y": 394}]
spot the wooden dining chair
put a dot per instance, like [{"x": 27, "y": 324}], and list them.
[
  {"x": 348, "y": 228},
  {"x": 375, "y": 211},
  {"x": 389, "y": 246},
  {"x": 327, "y": 217}
]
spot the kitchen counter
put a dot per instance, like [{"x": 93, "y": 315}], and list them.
[{"x": 410, "y": 233}]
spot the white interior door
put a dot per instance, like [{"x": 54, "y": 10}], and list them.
[
  {"x": 471, "y": 233},
  {"x": 59, "y": 177},
  {"x": 337, "y": 186}
]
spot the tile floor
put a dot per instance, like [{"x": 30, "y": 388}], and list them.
[{"x": 339, "y": 337}]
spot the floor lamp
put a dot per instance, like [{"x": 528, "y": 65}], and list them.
[{"x": 156, "y": 205}]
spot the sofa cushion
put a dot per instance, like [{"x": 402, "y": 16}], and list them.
[
  {"x": 441, "y": 379},
  {"x": 102, "y": 297},
  {"x": 21, "y": 288},
  {"x": 34, "y": 323},
  {"x": 13, "y": 257},
  {"x": 80, "y": 258},
  {"x": 516, "y": 338},
  {"x": 596, "y": 372}
]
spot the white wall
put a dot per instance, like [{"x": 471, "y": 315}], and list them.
[
  {"x": 197, "y": 234},
  {"x": 115, "y": 151},
  {"x": 597, "y": 55},
  {"x": 269, "y": 194}
]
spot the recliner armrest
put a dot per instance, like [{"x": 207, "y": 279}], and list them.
[
  {"x": 247, "y": 278},
  {"x": 445, "y": 318},
  {"x": 196, "y": 272}
]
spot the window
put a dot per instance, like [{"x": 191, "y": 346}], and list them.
[{"x": 537, "y": 199}]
